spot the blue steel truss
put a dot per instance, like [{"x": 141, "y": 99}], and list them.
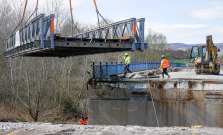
[
  {"x": 37, "y": 29},
  {"x": 119, "y": 30},
  {"x": 103, "y": 69},
  {"x": 37, "y": 39}
]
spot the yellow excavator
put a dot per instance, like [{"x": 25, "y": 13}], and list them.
[{"x": 205, "y": 58}]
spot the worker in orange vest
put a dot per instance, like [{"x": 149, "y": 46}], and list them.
[
  {"x": 83, "y": 120},
  {"x": 164, "y": 65}
]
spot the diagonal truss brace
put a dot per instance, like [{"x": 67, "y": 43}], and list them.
[
  {"x": 118, "y": 30},
  {"x": 39, "y": 28}
]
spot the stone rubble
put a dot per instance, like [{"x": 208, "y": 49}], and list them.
[{"x": 152, "y": 73}]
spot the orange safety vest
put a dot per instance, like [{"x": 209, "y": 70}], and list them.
[
  {"x": 83, "y": 121},
  {"x": 165, "y": 63}
]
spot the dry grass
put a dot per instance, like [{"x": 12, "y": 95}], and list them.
[{"x": 8, "y": 113}]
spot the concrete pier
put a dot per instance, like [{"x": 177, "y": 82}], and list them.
[
  {"x": 178, "y": 101},
  {"x": 126, "y": 112}
]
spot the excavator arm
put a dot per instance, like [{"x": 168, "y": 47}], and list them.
[{"x": 205, "y": 57}]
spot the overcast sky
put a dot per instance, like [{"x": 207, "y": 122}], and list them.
[{"x": 181, "y": 21}]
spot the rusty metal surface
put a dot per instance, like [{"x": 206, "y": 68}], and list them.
[
  {"x": 179, "y": 83},
  {"x": 186, "y": 89},
  {"x": 127, "y": 112}
]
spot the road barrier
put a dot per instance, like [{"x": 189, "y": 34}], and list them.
[{"x": 102, "y": 69}]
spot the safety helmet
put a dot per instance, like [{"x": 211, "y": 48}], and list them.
[
  {"x": 163, "y": 56},
  {"x": 126, "y": 54},
  {"x": 81, "y": 116}
]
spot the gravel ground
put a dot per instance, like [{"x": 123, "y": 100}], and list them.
[
  {"x": 189, "y": 73},
  {"x": 62, "y": 129}
]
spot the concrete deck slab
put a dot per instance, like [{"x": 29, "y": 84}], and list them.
[{"x": 189, "y": 73}]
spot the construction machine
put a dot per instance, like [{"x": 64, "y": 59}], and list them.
[{"x": 205, "y": 57}]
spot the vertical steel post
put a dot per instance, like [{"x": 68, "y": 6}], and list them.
[
  {"x": 93, "y": 69},
  {"x": 116, "y": 67},
  {"x": 143, "y": 63},
  {"x": 100, "y": 68},
  {"x": 28, "y": 32},
  {"x": 121, "y": 67},
  {"x": 106, "y": 63},
  {"x": 52, "y": 30},
  {"x": 31, "y": 32},
  {"x": 140, "y": 63},
  {"x": 23, "y": 36},
  {"x": 134, "y": 33},
  {"x": 142, "y": 33},
  {"x": 10, "y": 42},
  {"x": 42, "y": 30},
  {"x": 147, "y": 65},
  {"x": 35, "y": 29},
  {"x": 112, "y": 65}
]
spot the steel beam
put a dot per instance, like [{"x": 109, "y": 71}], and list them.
[{"x": 67, "y": 48}]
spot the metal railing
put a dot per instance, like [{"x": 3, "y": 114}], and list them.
[
  {"x": 37, "y": 29},
  {"x": 132, "y": 27},
  {"x": 105, "y": 68}
]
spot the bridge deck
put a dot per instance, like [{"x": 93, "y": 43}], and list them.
[{"x": 65, "y": 47}]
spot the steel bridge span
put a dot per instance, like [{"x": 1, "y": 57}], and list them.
[{"x": 37, "y": 39}]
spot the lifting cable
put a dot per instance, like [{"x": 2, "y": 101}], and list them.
[
  {"x": 22, "y": 18},
  {"x": 36, "y": 6},
  {"x": 98, "y": 14},
  {"x": 72, "y": 19},
  {"x": 24, "y": 15},
  {"x": 33, "y": 12}
]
